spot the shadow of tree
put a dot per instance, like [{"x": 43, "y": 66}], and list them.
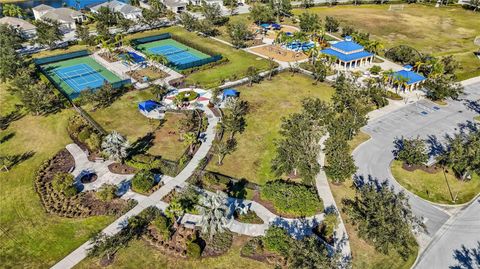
[
  {"x": 472, "y": 105},
  {"x": 436, "y": 147},
  {"x": 7, "y": 137},
  {"x": 142, "y": 144},
  {"x": 9, "y": 161},
  {"x": 467, "y": 258},
  {"x": 297, "y": 228},
  {"x": 11, "y": 117}
]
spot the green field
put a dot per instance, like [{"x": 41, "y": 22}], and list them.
[
  {"x": 234, "y": 69},
  {"x": 438, "y": 31},
  {"x": 50, "y": 70},
  {"x": 433, "y": 187},
  {"x": 269, "y": 101},
  {"x": 140, "y": 254},
  {"x": 123, "y": 116},
  {"x": 29, "y": 237}
]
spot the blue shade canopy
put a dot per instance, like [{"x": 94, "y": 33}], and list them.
[
  {"x": 230, "y": 93},
  {"x": 148, "y": 105},
  {"x": 407, "y": 73},
  {"x": 347, "y": 57}
]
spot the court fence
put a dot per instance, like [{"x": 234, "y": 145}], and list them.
[
  {"x": 61, "y": 57},
  {"x": 143, "y": 40}
]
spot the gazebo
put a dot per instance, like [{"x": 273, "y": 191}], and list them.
[
  {"x": 349, "y": 54},
  {"x": 229, "y": 93},
  {"x": 412, "y": 79}
]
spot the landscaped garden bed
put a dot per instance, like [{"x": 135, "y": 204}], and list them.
[
  {"x": 152, "y": 73},
  {"x": 249, "y": 217},
  {"x": 54, "y": 174}
]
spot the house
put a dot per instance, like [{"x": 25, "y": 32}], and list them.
[
  {"x": 407, "y": 79},
  {"x": 68, "y": 18},
  {"x": 349, "y": 54},
  {"x": 128, "y": 11},
  {"x": 27, "y": 30},
  {"x": 210, "y": 2},
  {"x": 176, "y": 6}
]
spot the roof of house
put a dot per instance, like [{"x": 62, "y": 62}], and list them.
[
  {"x": 42, "y": 7},
  {"x": 347, "y": 57},
  {"x": 118, "y": 6},
  {"x": 62, "y": 14},
  {"x": 407, "y": 73},
  {"x": 347, "y": 45},
  {"x": 174, "y": 3},
  {"x": 19, "y": 23}
]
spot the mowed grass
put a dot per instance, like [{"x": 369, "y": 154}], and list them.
[
  {"x": 234, "y": 69},
  {"x": 269, "y": 101},
  {"x": 140, "y": 254},
  {"x": 439, "y": 31},
  {"x": 29, "y": 237},
  {"x": 124, "y": 117},
  {"x": 433, "y": 187},
  {"x": 364, "y": 254},
  {"x": 167, "y": 138}
]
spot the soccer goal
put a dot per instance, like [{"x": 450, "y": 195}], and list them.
[{"x": 396, "y": 7}]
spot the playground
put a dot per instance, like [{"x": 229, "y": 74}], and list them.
[
  {"x": 280, "y": 53},
  {"x": 78, "y": 74}
]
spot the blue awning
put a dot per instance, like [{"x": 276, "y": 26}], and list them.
[
  {"x": 411, "y": 76},
  {"x": 148, "y": 105},
  {"x": 230, "y": 93},
  {"x": 347, "y": 57}
]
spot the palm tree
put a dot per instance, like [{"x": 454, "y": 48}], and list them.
[
  {"x": 400, "y": 82},
  {"x": 11, "y": 10},
  {"x": 374, "y": 46},
  {"x": 189, "y": 139},
  {"x": 214, "y": 211},
  {"x": 174, "y": 210},
  {"x": 313, "y": 53},
  {"x": 158, "y": 58},
  {"x": 159, "y": 91},
  {"x": 115, "y": 146},
  {"x": 387, "y": 76},
  {"x": 107, "y": 46}
]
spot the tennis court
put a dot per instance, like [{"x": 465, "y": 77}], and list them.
[
  {"x": 175, "y": 52},
  {"x": 78, "y": 74}
]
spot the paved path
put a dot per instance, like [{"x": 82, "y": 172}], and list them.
[{"x": 373, "y": 157}]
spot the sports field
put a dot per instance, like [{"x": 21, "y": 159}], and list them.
[
  {"x": 75, "y": 75},
  {"x": 175, "y": 52}
]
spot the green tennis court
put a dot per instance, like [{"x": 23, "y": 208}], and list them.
[
  {"x": 175, "y": 52},
  {"x": 75, "y": 75}
]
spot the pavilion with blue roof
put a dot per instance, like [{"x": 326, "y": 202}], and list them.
[
  {"x": 349, "y": 54},
  {"x": 412, "y": 80}
]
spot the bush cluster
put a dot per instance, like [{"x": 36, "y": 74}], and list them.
[
  {"x": 292, "y": 198},
  {"x": 79, "y": 129},
  {"x": 64, "y": 182},
  {"x": 143, "y": 181}
]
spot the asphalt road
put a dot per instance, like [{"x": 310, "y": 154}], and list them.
[{"x": 429, "y": 121}]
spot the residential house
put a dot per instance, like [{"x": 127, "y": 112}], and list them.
[
  {"x": 128, "y": 11},
  {"x": 210, "y": 2},
  {"x": 68, "y": 18},
  {"x": 176, "y": 6},
  {"x": 27, "y": 30}
]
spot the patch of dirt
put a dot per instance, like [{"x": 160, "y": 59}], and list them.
[
  {"x": 425, "y": 168},
  {"x": 278, "y": 53},
  {"x": 121, "y": 169}
]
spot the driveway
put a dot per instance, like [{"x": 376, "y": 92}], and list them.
[{"x": 424, "y": 119}]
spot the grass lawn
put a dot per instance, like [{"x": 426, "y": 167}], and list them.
[
  {"x": 140, "y": 253},
  {"x": 441, "y": 31},
  {"x": 29, "y": 237},
  {"x": 68, "y": 49},
  {"x": 167, "y": 144},
  {"x": 235, "y": 68},
  {"x": 477, "y": 118},
  {"x": 358, "y": 140},
  {"x": 269, "y": 101},
  {"x": 233, "y": 19},
  {"x": 420, "y": 181},
  {"x": 123, "y": 115}
]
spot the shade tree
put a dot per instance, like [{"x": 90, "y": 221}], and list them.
[{"x": 411, "y": 151}]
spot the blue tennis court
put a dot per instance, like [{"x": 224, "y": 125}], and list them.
[
  {"x": 174, "y": 54},
  {"x": 80, "y": 77}
]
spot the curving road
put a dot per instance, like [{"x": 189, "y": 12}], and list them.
[{"x": 431, "y": 122}]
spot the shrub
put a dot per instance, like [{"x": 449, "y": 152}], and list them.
[
  {"x": 84, "y": 135},
  {"x": 375, "y": 69},
  {"x": 330, "y": 223},
  {"x": 252, "y": 247},
  {"x": 277, "y": 240},
  {"x": 94, "y": 142},
  {"x": 220, "y": 242},
  {"x": 64, "y": 182},
  {"x": 163, "y": 226},
  {"x": 194, "y": 250},
  {"x": 292, "y": 198},
  {"x": 107, "y": 192},
  {"x": 143, "y": 181},
  {"x": 75, "y": 124}
]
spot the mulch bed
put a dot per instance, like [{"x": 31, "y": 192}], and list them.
[
  {"x": 121, "y": 169},
  {"x": 428, "y": 169},
  {"x": 111, "y": 58},
  {"x": 62, "y": 162}
]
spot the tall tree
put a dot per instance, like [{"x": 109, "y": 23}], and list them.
[
  {"x": 234, "y": 119},
  {"x": 261, "y": 13},
  {"x": 115, "y": 146},
  {"x": 11, "y": 10},
  {"x": 383, "y": 217},
  {"x": 442, "y": 87},
  {"x": 281, "y": 8},
  {"x": 331, "y": 24},
  {"x": 48, "y": 32},
  {"x": 213, "y": 13},
  {"x": 411, "y": 151},
  {"x": 188, "y": 21},
  {"x": 39, "y": 98},
  {"x": 341, "y": 165},
  {"x": 214, "y": 211},
  {"x": 11, "y": 61},
  {"x": 159, "y": 91},
  {"x": 239, "y": 33},
  {"x": 190, "y": 139},
  {"x": 310, "y": 22},
  {"x": 223, "y": 148},
  {"x": 83, "y": 34}
]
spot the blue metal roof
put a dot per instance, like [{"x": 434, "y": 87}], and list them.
[
  {"x": 230, "y": 92},
  {"x": 347, "y": 57},
  {"x": 347, "y": 46},
  {"x": 413, "y": 77}
]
